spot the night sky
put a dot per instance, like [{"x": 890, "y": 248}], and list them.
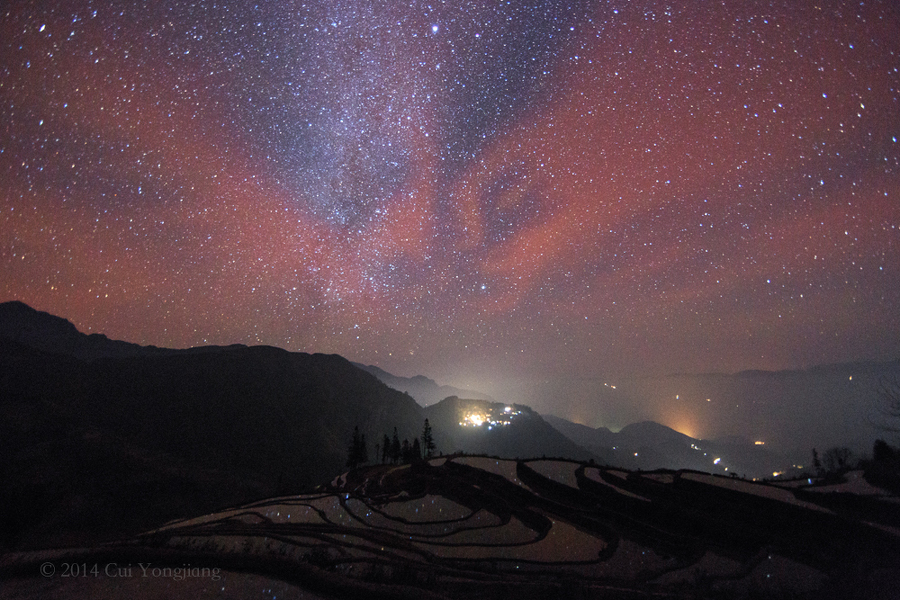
[{"x": 462, "y": 190}]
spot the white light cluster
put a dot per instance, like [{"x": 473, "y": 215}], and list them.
[{"x": 475, "y": 419}]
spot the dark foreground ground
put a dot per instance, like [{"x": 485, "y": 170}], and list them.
[{"x": 476, "y": 527}]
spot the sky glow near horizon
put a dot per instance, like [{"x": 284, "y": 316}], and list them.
[{"x": 460, "y": 190}]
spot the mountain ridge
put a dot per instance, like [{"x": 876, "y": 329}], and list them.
[
  {"x": 426, "y": 391},
  {"x": 652, "y": 445},
  {"x": 57, "y": 335}
]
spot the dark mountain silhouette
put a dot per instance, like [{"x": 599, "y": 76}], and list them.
[
  {"x": 43, "y": 331},
  {"x": 582, "y": 434},
  {"x": 650, "y": 432},
  {"x": 167, "y": 432},
  {"x": 107, "y": 441},
  {"x": 425, "y": 391},
  {"x": 103, "y": 438},
  {"x": 650, "y": 445}
]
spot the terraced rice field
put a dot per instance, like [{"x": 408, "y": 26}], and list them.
[{"x": 463, "y": 526}]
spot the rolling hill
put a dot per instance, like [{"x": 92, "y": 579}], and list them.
[{"x": 650, "y": 445}]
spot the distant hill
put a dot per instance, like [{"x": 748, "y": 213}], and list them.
[
  {"x": 650, "y": 445},
  {"x": 582, "y": 434},
  {"x": 425, "y": 391},
  {"x": 792, "y": 411},
  {"x": 445, "y": 406},
  {"x": 519, "y": 432}
]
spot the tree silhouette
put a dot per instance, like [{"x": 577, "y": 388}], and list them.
[
  {"x": 385, "y": 448},
  {"x": 416, "y": 450},
  {"x": 357, "y": 453},
  {"x": 395, "y": 448},
  {"x": 428, "y": 440},
  {"x": 405, "y": 451},
  {"x": 881, "y": 451},
  {"x": 884, "y": 468},
  {"x": 837, "y": 461}
]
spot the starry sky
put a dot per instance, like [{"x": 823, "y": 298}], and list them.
[{"x": 465, "y": 190}]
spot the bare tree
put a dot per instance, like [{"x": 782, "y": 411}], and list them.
[
  {"x": 837, "y": 461},
  {"x": 889, "y": 393}
]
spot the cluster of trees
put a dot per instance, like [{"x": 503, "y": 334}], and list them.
[
  {"x": 889, "y": 391},
  {"x": 391, "y": 449},
  {"x": 834, "y": 462},
  {"x": 884, "y": 469},
  {"x": 885, "y": 463}
]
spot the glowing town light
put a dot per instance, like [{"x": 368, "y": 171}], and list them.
[
  {"x": 715, "y": 462},
  {"x": 759, "y": 443},
  {"x": 508, "y": 409},
  {"x": 477, "y": 420}
]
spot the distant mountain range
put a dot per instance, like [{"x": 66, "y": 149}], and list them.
[
  {"x": 649, "y": 445},
  {"x": 791, "y": 411},
  {"x": 148, "y": 434},
  {"x": 642, "y": 445},
  {"x": 425, "y": 391}
]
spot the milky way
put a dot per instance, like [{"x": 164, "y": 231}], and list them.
[{"x": 460, "y": 189}]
